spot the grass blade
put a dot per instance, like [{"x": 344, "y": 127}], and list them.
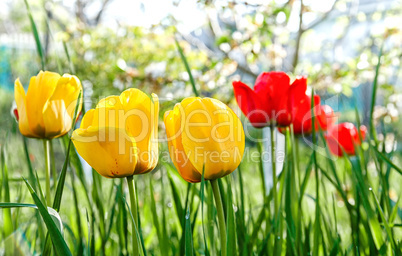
[
  {"x": 59, "y": 244},
  {"x": 385, "y": 222},
  {"x": 202, "y": 211},
  {"x": 15, "y": 205},
  {"x": 373, "y": 95},
  {"x": 155, "y": 217},
  {"x": 230, "y": 220},
  {"x": 62, "y": 178},
  {"x": 389, "y": 162},
  {"x": 185, "y": 62},
  {"x": 36, "y": 36},
  {"x": 8, "y": 222},
  {"x": 189, "y": 235},
  {"x": 177, "y": 201}
]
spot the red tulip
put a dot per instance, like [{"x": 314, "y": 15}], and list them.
[
  {"x": 268, "y": 102},
  {"x": 299, "y": 104},
  {"x": 325, "y": 117},
  {"x": 15, "y": 112},
  {"x": 344, "y": 136}
]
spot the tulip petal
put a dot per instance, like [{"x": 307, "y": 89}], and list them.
[
  {"x": 213, "y": 138},
  {"x": 325, "y": 117},
  {"x": 274, "y": 88},
  {"x": 344, "y": 136},
  {"x": 141, "y": 121},
  {"x": 179, "y": 158},
  {"x": 20, "y": 99},
  {"x": 40, "y": 90},
  {"x": 154, "y": 146},
  {"x": 255, "y": 108},
  {"x": 110, "y": 151},
  {"x": 109, "y": 112},
  {"x": 59, "y": 109},
  {"x": 87, "y": 120},
  {"x": 297, "y": 91}
]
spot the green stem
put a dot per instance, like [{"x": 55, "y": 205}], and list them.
[
  {"x": 52, "y": 162},
  {"x": 134, "y": 211},
  {"x": 274, "y": 177},
  {"x": 261, "y": 167},
  {"x": 46, "y": 147},
  {"x": 221, "y": 217}
]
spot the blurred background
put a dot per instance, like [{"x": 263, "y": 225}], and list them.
[{"x": 114, "y": 44}]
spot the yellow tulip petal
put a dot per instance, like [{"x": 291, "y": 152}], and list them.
[
  {"x": 40, "y": 90},
  {"x": 140, "y": 118},
  {"x": 19, "y": 95},
  {"x": 213, "y": 137},
  {"x": 107, "y": 113},
  {"x": 110, "y": 151},
  {"x": 59, "y": 109},
  {"x": 153, "y": 140},
  {"x": 180, "y": 160},
  {"x": 87, "y": 119}
]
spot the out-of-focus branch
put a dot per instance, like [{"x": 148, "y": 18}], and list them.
[
  {"x": 302, "y": 30},
  {"x": 213, "y": 25},
  {"x": 298, "y": 38},
  {"x": 323, "y": 18},
  {"x": 79, "y": 11},
  {"x": 99, "y": 16}
]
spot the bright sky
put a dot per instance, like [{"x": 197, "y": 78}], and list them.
[{"x": 149, "y": 12}]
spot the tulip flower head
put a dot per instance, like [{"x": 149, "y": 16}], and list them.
[
  {"x": 204, "y": 135},
  {"x": 268, "y": 103},
  {"x": 46, "y": 111},
  {"x": 325, "y": 117},
  {"x": 119, "y": 137},
  {"x": 344, "y": 137},
  {"x": 299, "y": 104}
]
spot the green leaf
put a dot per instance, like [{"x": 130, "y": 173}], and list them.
[
  {"x": 62, "y": 178},
  {"x": 28, "y": 160},
  {"x": 7, "y": 219},
  {"x": 189, "y": 235},
  {"x": 155, "y": 217},
  {"x": 36, "y": 36},
  {"x": 385, "y": 222},
  {"x": 317, "y": 225},
  {"x": 202, "y": 210},
  {"x": 373, "y": 222},
  {"x": 386, "y": 159},
  {"x": 335, "y": 248},
  {"x": 230, "y": 220},
  {"x": 185, "y": 62},
  {"x": 59, "y": 244},
  {"x": 373, "y": 95},
  {"x": 177, "y": 201},
  {"x": 15, "y": 205}
]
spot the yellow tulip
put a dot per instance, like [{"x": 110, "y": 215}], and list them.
[
  {"x": 47, "y": 110},
  {"x": 204, "y": 134},
  {"x": 119, "y": 137}
]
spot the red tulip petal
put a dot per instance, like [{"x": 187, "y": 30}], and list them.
[
  {"x": 251, "y": 105},
  {"x": 325, "y": 117}
]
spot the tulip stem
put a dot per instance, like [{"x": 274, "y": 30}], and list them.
[
  {"x": 221, "y": 217},
  {"x": 46, "y": 144},
  {"x": 134, "y": 211},
  {"x": 274, "y": 178},
  {"x": 52, "y": 162}
]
